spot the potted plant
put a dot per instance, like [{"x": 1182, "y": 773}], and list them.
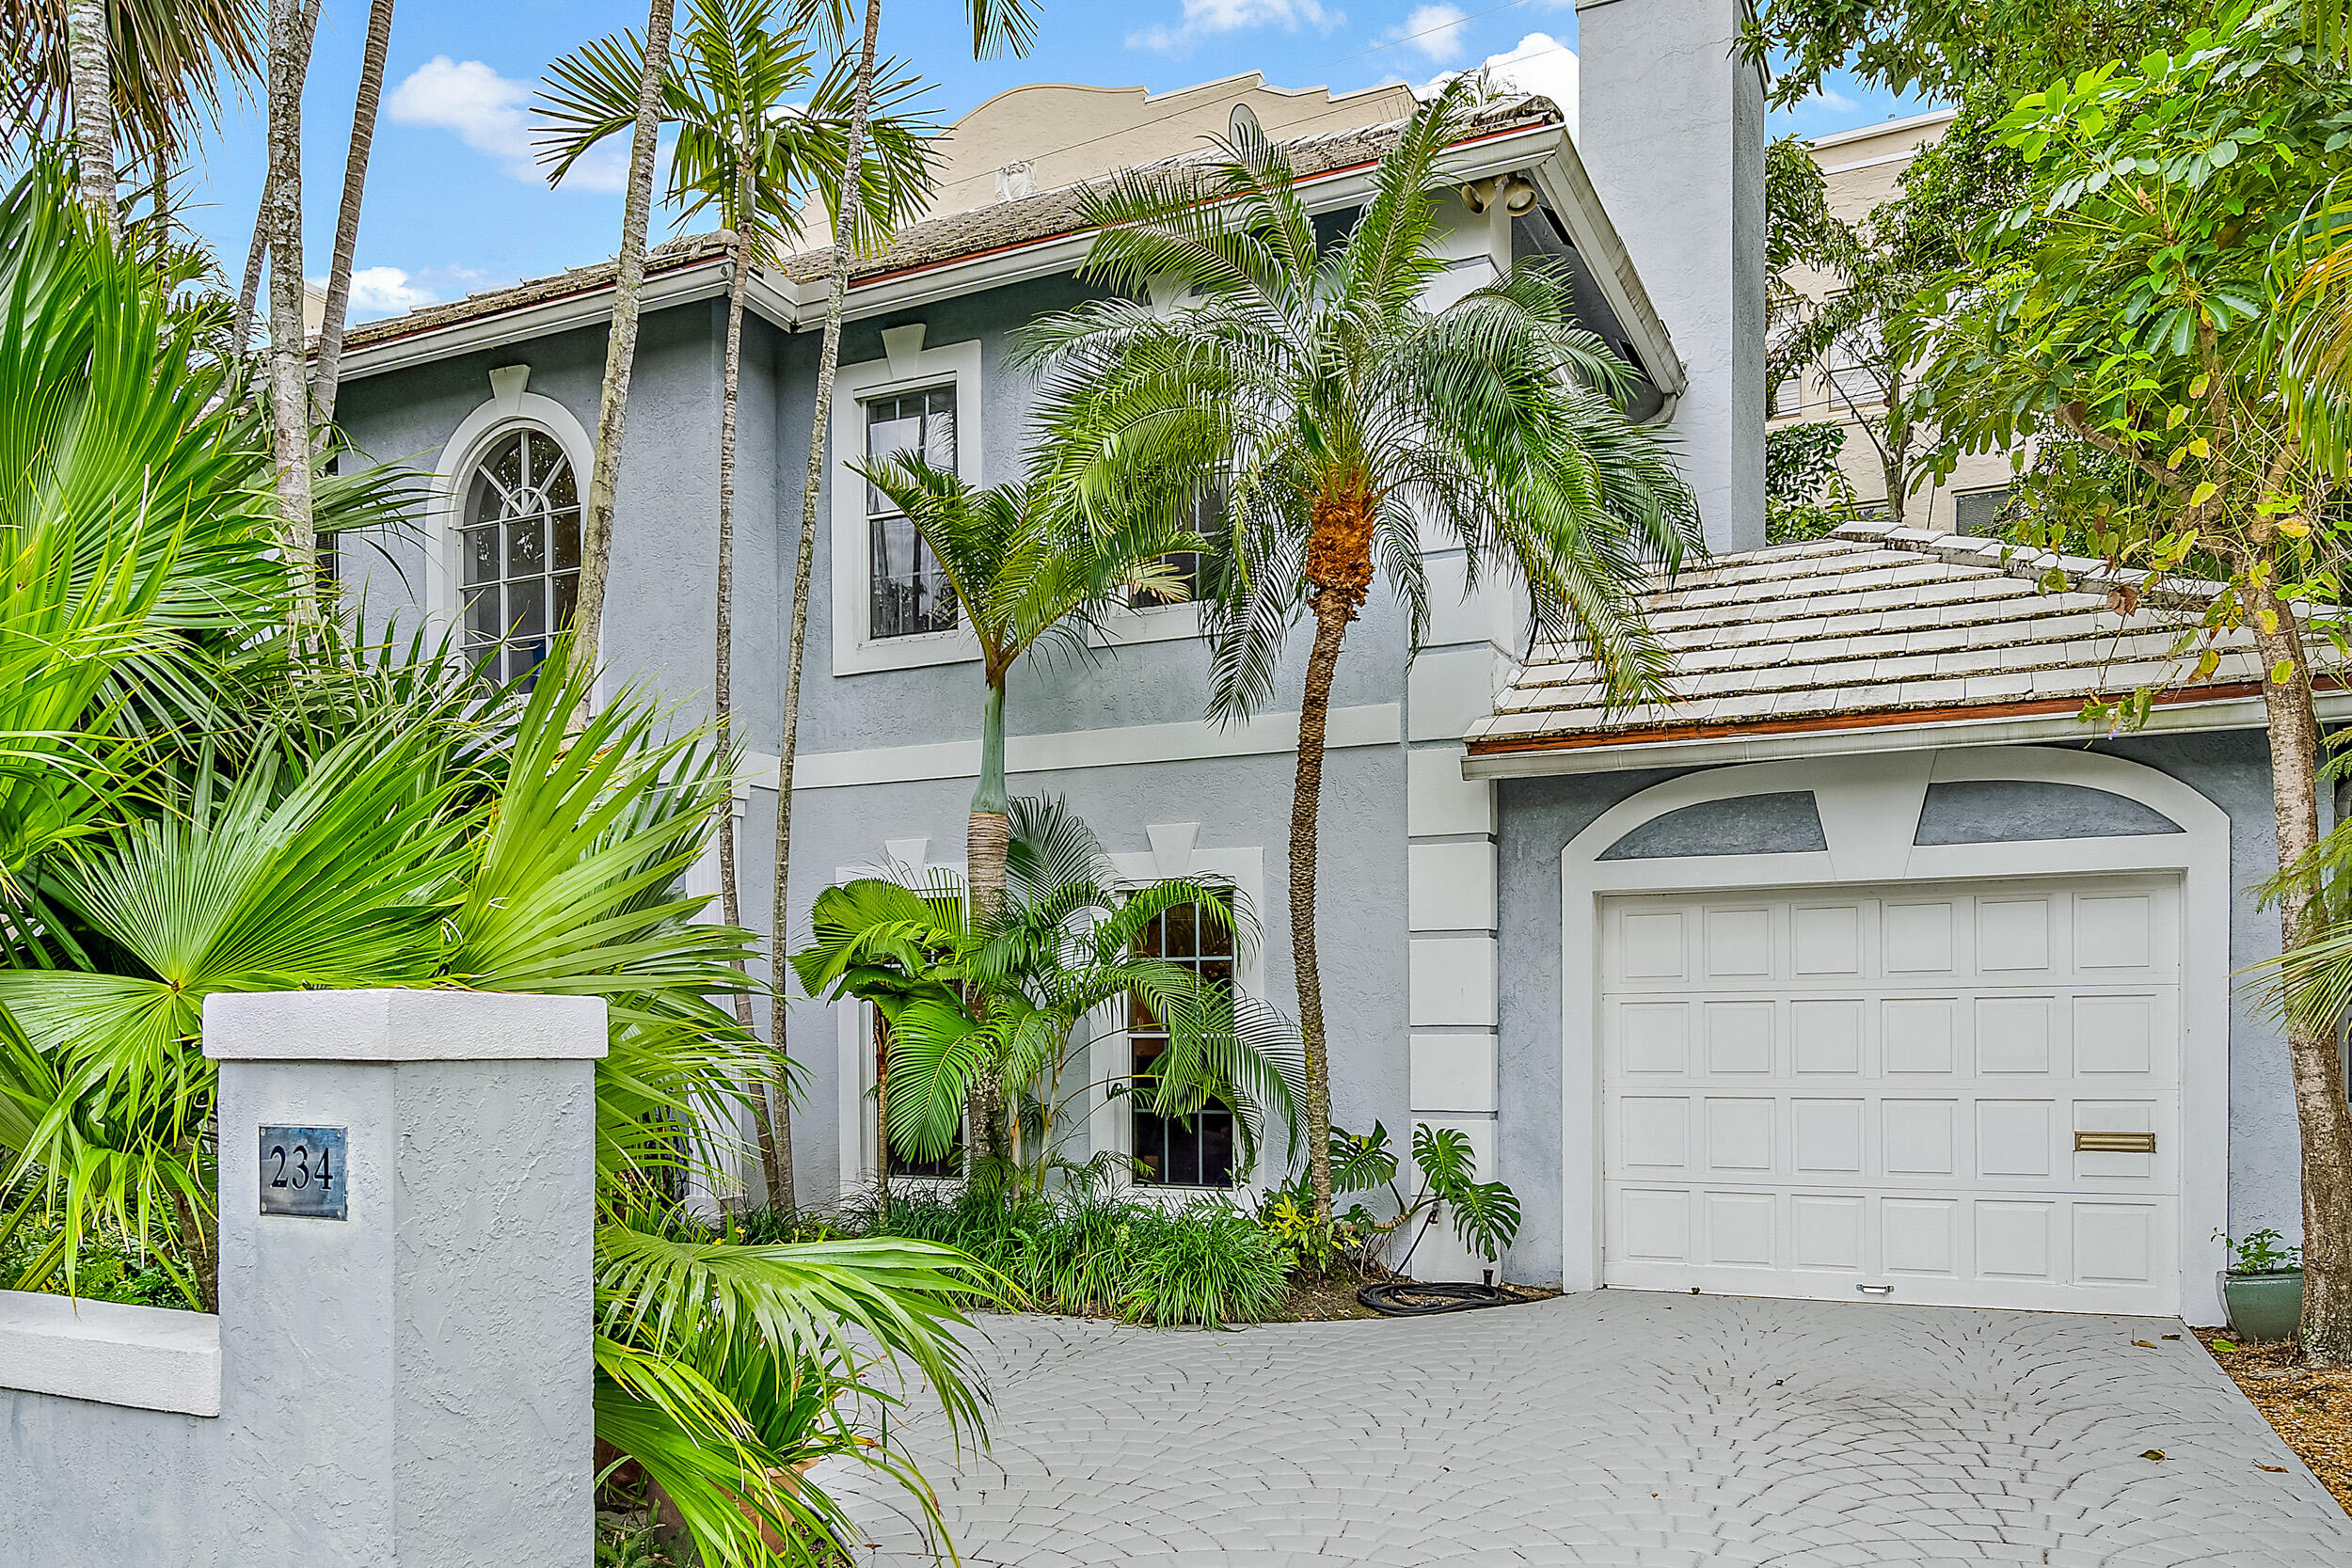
[{"x": 2263, "y": 1287}]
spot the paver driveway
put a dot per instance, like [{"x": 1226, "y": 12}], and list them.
[{"x": 1617, "y": 1428}]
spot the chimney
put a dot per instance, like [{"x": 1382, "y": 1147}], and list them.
[{"x": 1671, "y": 122}]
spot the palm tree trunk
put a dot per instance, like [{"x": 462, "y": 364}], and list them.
[
  {"x": 2325, "y": 1121},
  {"x": 796, "y": 636},
  {"x": 90, "y": 82},
  {"x": 1332, "y": 613},
  {"x": 620, "y": 347},
  {"x": 986, "y": 837},
  {"x": 990, "y": 833},
  {"x": 249, "y": 296},
  {"x": 722, "y": 665},
  {"x": 371, "y": 92},
  {"x": 289, "y": 392}
]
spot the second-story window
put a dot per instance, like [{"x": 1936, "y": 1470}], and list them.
[
  {"x": 519, "y": 538},
  {"x": 910, "y": 591},
  {"x": 1207, "y": 520}
]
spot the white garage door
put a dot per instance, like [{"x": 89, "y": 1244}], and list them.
[{"x": 1877, "y": 1093}]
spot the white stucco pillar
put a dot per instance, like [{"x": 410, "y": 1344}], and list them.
[
  {"x": 1671, "y": 130},
  {"x": 409, "y": 1383}
]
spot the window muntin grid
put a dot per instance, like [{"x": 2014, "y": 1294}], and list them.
[
  {"x": 909, "y": 591},
  {"x": 519, "y": 540},
  {"x": 1179, "y": 1151}
]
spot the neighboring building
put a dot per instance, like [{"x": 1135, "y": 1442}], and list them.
[
  {"x": 1863, "y": 169},
  {"x": 1811, "y": 984},
  {"x": 1048, "y": 135}
]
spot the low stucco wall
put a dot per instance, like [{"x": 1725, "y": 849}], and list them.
[{"x": 409, "y": 1386}]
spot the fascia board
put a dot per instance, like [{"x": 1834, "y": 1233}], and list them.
[
  {"x": 1500, "y": 153},
  {"x": 2237, "y": 713},
  {"x": 793, "y": 306},
  {"x": 1569, "y": 189},
  {"x": 703, "y": 279}
]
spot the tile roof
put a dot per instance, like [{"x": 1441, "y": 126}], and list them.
[
  {"x": 1877, "y": 626},
  {"x": 1001, "y": 225}
]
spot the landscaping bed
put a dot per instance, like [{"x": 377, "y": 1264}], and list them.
[{"x": 2310, "y": 1408}]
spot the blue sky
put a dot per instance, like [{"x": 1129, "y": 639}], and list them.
[{"x": 453, "y": 203}]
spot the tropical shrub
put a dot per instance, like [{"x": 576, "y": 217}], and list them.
[
  {"x": 1485, "y": 1215},
  {"x": 1092, "y": 1254},
  {"x": 1006, "y": 997},
  {"x": 200, "y": 796}
]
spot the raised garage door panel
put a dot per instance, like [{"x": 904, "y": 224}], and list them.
[{"x": 1810, "y": 1093}]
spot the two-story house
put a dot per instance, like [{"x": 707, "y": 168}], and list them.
[{"x": 1811, "y": 983}]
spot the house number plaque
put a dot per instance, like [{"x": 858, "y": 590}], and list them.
[{"x": 302, "y": 1172}]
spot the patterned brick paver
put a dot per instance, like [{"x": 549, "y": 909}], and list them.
[{"x": 1614, "y": 1428}]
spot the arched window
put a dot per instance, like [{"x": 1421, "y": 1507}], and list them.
[{"x": 520, "y": 544}]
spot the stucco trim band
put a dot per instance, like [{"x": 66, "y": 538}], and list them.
[
  {"x": 396, "y": 1025},
  {"x": 1369, "y": 724},
  {"x": 144, "y": 1357}
]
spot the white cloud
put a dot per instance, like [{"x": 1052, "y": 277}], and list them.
[
  {"x": 485, "y": 110},
  {"x": 1204, "y": 17},
  {"x": 1434, "y": 30},
  {"x": 383, "y": 291},
  {"x": 1828, "y": 97},
  {"x": 1537, "y": 63}
]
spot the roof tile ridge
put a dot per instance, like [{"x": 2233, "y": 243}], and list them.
[{"x": 2029, "y": 565}]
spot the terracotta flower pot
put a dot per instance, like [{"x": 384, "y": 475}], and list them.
[{"x": 2264, "y": 1306}]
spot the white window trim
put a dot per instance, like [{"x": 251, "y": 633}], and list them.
[
  {"x": 1107, "y": 1125},
  {"x": 855, "y": 652},
  {"x": 510, "y": 408}
]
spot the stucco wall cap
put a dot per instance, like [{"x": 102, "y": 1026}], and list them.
[
  {"x": 144, "y": 1357},
  {"x": 401, "y": 1025}
]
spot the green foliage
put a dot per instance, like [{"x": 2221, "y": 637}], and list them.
[
  {"x": 1086, "y": 1253},
  {"x": 1806, "y": 493},
  {"x": 1310, "y": 377},
  {"x": 1942, "y": 50},
  {"x": 196, "y": 802},
  {"x": 2261, "y": 1253},
  {"x": 1008, "y": 998},
  {"x": 756, "y": 143},
  {"x": 1485, "y": 1215}
]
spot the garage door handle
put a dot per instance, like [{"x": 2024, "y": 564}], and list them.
[{"x": 2115, "y": 1142}]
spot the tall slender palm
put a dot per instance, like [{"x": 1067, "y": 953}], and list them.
[
  {"x": 165, "y": 64},
  {"x": 92, "y": 67},
  {"x": 742, "y": 150},
  {"x": 999, "y": 27},
  {"x": 327, "y": 365},
  {"x": 257, "y": 252},
  {"x": 620, "y": 343},
  {"x": 1025, "y": 571},
  {"x": 1022, "y": 572},
  {"x": 194, "y": 801},
  {"x": 1349, "y": 419},
  {"x": 289, "y": 384}
]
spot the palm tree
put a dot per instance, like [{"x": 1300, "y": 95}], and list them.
[
  {"x": 1020, "y": 573},
  {"x": 92, "y": 74},
  {"x": 1347, "y": 417},
  {"x": 620, "y": 343},
  {"x": 249, "y": 296},
  {"x": 161, "y": 66},
  {"x": 742, "y": 150},
  {"x": 289, "y": 383},
  {"x": 193, "y": 800},
  {"x": 1024, "y": 571},
  {"x": 327, "y": 366},
  {"x": 997, "y": 26},
  {"x": 1001, "y": 998}
]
